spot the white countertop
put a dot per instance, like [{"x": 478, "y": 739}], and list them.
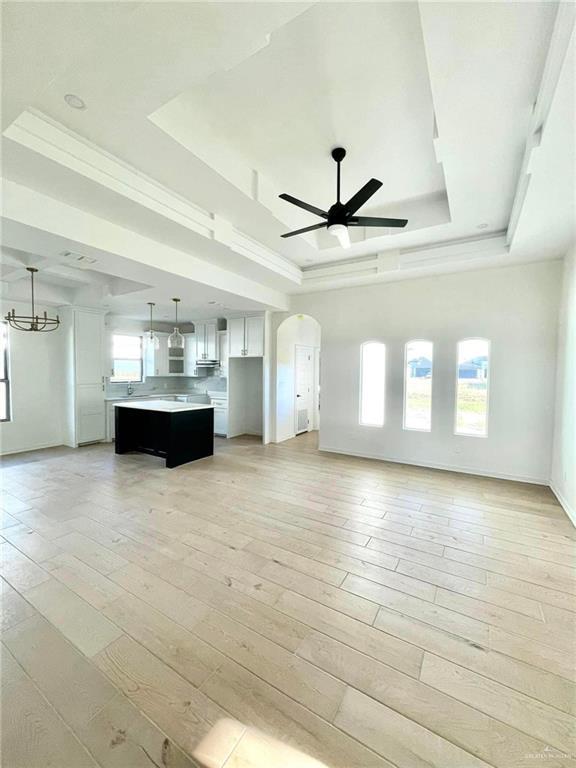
[
  {"x": 166, "y": 406},
  {"x": 155, "y": 396}
]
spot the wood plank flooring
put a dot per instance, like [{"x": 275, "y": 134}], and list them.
[{"x": 368, "y": 614}]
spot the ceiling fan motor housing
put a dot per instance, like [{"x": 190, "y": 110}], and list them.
[
  {"x": 337, "y": 214},
  {"x": 340, "y": 216}
]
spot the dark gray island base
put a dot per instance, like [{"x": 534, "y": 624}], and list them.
[{"x": 178, "y": 432}]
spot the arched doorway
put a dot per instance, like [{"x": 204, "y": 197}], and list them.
[{"x": 297, "y": 376}]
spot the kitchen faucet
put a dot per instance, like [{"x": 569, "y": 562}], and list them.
[{"x": 130, "y": 388}]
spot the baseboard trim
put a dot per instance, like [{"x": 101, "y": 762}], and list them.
[
  {"x": 32, "y": 448},
  {"x": 443, "y": 467},
  {"x": 570, "y": 511}
]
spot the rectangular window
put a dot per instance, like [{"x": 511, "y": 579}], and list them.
[
  {"x": 126, "y": 358},
  {"x": 4, "y": 375},
  {"x": 372, "y": 383},
  {"x": 472, "y": 387},
  {"x": 418, "y": 386}
]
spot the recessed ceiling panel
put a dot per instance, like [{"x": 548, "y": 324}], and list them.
[{"x": 353, "y": 75}]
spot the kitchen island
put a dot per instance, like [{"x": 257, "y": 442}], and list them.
[{"x": 178, "y": 432}]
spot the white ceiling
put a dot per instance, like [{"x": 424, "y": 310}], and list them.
[{"x": 224, "y": 105}]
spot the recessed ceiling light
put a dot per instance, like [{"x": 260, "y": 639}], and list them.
[
  {"x": 74, "y": 101},
  {"x": 482, "y": 226},
  {"x": 212, "y": 302}
]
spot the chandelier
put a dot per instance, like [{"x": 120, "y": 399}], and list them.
[
  {"x": 176, "y": 340},
  {"x": 32, "y": 322}
]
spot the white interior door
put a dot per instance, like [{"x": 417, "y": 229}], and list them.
[{"x": 304, "y": 388}]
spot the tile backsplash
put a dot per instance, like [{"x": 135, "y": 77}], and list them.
[{"x": 166, "y": 384}]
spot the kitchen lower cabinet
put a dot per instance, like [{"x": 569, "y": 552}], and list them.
[{"x": 221, "y": 421}]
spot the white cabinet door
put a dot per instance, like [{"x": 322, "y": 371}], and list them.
[
  {"x": 236, "y": 337},
  {"x": 89, "y": 344},
  {"x": 89, "y": 356},
  {"x": 211, "y": 345},
  {"x": 161, "y": 364},
  {"x": 254, "y": 337},
  {"x": 223, "y": 352},
  {"x": 190, "y": 354},
  {"x": 156, "y": 360},
  {"x": 200, "y": 329},
  {"x": 221, "y": 421},
  {"x": 111, "y": 421}
]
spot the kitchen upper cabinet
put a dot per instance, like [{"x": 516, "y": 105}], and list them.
[
  {"x": 236, "y": 337},
  {"x": 156, "y": 360},
  {"x": 246, "y": 336},
  {"x": 254, "y": 337},
  {"x": 206, "y": 341},
  {"x": 189, "y": 354},
  {"x": 223, "y": 352}
]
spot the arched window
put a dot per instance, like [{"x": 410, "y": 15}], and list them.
[
  {"x": 418, "y": 367},
  {"x": 473, "y": 372},
  {"x": 372, "y": 383}
]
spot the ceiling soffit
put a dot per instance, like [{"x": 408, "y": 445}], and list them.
[{"x": 267, "y": 125}]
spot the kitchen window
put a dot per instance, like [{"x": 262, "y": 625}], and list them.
[
  {"x": 372, "y": 382},
  {"x": 126, "y": 358},
  {"x": 5, "y": 409}
]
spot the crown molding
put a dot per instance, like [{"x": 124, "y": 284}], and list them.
[
  {"x": 397, "y": 264},
  {"x": 45, "y": 136},
  {"x": 556, "y": 56}
]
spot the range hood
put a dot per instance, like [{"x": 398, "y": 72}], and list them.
[{"x": 207, "y": 363}]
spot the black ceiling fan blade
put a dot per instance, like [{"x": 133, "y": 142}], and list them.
[
  {"x": 302, "y": 204},
  {"x": 364, "y": 194},
  {"x": 306, "y": 229},
  {"x": 371, "y": 221}
]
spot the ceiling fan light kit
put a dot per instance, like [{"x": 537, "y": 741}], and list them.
[
  {"x": 341, "y": 232},
  {"x": 340, "y": 216},
  {"x": 33, "y": 322}
]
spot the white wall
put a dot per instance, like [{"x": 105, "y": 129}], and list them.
[
  {"x": 515, "y": 307},
  {"x": 563, "y": 476},
  {"x": 37, "y": 386},
  {"x": 295, "y": 330},
  {"x": 245, "y": 396}
]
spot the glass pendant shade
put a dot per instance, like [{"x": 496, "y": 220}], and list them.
[
  {"x": 151, "y": 338},
  {"x": 176, "y": 340}
]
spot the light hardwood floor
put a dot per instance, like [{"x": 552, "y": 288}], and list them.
[{"x": 369, "y": 614}]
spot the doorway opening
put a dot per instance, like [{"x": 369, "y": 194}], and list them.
[{"x": 297, "y": 377}]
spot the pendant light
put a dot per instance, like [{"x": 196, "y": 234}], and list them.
[
  {"x": 151, "y": 338},
  {"x": 176, "y": 340},
  {"x": 32, "y": 322}
]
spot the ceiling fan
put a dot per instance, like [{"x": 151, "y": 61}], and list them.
[{"x": 341, "y": 215}]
